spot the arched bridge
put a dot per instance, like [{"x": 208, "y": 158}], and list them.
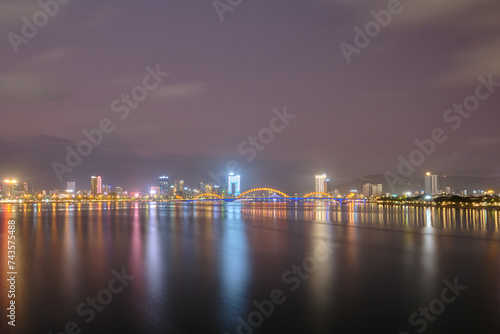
[
  {"x": 266, "y": 194},
  {"x": 316, "y": 195},
  {"x": 207, "y": 196},
  {"x": 257, "y": 190}
]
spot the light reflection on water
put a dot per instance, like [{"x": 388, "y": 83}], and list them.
[
  {"x": 211, "y": 261},
  {"x": 374, "y": 214},
  {"x": 353, "y": 213}
]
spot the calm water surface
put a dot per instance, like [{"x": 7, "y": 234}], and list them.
[{"x": 202, "y": 268}]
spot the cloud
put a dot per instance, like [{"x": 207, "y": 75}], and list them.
[
  {"x": 25, "y": 86},
  {"x": 483, "y": 142},
  {"x": 427, "y": 13},
  {"x": 12, "y": 11},
  {"x": 469, "y": 62},
  {"x": 470, "y": 28},
  {"x": 99, "y": 14},
  {"x": 53, "y": 55},
  {"x": 186, "y": 90}
]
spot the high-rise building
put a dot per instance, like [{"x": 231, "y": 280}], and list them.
[
  {"x": 216, "y": 190},
  {"x": 93, "y": 185},
  {"x": 372, "y": 190},
  {"x": 179, "y": 187},
  {"x": 320, "y": 183},
  {"x": 328, "y": 186},
  {"x": 105, "y": 189},
  {"x": 154, "y": 191},
  {"x": 163, "y": 185},
  {"x": 25, "y": 187},
  {"x": 234, "y": 185},
  {"x": 10, "y": 188},
  {"x": 71, "y": 188},
  {"x": 367, "y": 190},
  {"x": 99, "y": 185},
  {"x": 431, "y": 184},
  {"x": 118, "y": 190}
]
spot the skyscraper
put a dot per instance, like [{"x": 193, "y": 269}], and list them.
[
  {"x": 71, "y": 188},
  {"x": 163, "y": 185},
  {"x": 320, "y": 183},
  {"x": 234, "y": 184},
  {"x": 179, "y": 187},
  {"x": 10, "y": 188},
  {"x": 431, "y": 184},
  {"x": 99, "y": 185},
  {"x": 93, "y": 185},
  {"x": 372, "y": 190}
]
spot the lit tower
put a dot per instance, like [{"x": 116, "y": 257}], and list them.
[
  {"x": 95, "y": 185},
  {"x": 10, "y": 187},
  {"x": 163, "y": 185},
  {"x": 431, "y": 184},
  {"x": 99, "y": 185},
  {"x": 71, "y": 188},
  {"x": 321, "y": 183},
  {"x": 234, "y": 185}
]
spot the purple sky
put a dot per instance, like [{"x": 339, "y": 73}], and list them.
[{"x": 226, "y": 77}]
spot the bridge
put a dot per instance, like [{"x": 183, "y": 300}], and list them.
[{"x": 267, "y": 195}]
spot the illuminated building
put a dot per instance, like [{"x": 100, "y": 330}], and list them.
[
  {"x": 163, "y": 186},
  {"x": 25, "y": 187},
  {"x": 233, "y": 184},
  {"x": 99, "y": 185},
  {"x": 179, "y": 187},
  {"x": 431, "y": 184},
  {"x": 10, "y": 187},
  {"x": 95, "y": 185},
  {"x": 216, "y": 190},
  {"x": 372, "y": 190},
  {"x": 154, "y": 191},
  {"x": 71, "y": 188},
  {"x": 320, "y": 183},
  {"x": 105, "y": 189}
]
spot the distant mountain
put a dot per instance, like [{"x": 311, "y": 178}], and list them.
[{"x": 456, "y": 183}]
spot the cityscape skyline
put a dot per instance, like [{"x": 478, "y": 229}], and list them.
[{"x": 163, "y": 189}]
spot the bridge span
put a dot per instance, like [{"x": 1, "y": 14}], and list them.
[{"x": 268, "y": 195}]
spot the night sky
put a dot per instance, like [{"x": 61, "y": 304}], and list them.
[{"x": 226, "y": 78}]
